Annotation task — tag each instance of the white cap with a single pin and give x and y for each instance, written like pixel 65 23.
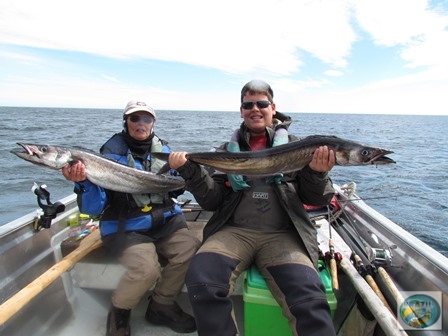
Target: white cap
pixel 136 106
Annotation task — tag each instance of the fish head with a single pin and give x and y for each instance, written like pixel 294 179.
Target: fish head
pixel 45 155
pixel 360 155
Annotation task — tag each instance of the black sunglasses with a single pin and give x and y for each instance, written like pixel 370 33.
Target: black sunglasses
pixel 260 104
pixel 146 118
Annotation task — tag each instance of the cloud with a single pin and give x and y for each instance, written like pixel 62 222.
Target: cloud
pixel 421 33
pixel 303 48
pixel 235 36
pixel 334 73
pixel 109 78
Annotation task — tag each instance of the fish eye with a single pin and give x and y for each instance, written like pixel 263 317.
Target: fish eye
pixel 365 152
pixel 44 149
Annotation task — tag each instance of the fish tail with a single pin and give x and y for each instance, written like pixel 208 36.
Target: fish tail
pixel 161 155
pixel 164 169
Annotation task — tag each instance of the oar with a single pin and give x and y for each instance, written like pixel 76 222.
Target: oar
pixel 25 295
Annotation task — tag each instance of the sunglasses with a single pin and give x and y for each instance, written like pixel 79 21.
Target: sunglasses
pixel 147 119
pixel 260 104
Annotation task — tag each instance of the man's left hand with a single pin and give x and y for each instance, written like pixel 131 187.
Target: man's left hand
pixel 323 160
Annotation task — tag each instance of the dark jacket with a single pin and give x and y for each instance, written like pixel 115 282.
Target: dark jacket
pixel 298 188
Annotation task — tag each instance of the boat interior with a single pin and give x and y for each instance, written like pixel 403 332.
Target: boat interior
pixel 77 302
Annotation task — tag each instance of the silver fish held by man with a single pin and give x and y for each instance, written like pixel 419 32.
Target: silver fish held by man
pixel 100 170
pixel 289 157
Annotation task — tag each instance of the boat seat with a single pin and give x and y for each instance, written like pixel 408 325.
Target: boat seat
pixel 97 270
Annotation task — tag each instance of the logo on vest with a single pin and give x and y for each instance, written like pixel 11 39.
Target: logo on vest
pixel 260 195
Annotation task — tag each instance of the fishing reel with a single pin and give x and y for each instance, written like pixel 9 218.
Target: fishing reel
pixel 380 256
pixel 50 210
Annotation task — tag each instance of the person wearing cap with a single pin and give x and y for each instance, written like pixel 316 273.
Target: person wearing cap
pixel 141 230
pixel 261 221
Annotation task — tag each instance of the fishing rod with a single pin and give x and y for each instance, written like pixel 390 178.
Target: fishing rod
pixel 359 257
pixel 383 316
pixel 378 259
pixel 369 198
pixel 372 283
pixel 332 257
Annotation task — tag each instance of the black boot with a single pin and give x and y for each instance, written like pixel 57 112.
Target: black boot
pixel 171 316
pixel 118 322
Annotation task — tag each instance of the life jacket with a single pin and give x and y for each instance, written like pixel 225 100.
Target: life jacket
pixel 135 212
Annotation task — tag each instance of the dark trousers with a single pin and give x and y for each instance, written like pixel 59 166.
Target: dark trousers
pixel 281 259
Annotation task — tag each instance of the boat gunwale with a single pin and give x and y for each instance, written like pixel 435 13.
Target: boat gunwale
pixel 384 224
pixel 28 219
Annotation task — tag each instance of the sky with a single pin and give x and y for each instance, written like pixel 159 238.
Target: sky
pixel 324 56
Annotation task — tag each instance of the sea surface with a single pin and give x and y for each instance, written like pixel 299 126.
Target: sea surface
pixel 413 192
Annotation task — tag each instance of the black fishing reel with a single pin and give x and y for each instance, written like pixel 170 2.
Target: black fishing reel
pixel 50 210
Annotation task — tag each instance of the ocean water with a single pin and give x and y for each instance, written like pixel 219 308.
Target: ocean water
pixel 413 193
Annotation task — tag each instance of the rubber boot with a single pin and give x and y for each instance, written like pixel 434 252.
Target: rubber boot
pixel 171 316
pixel 118 322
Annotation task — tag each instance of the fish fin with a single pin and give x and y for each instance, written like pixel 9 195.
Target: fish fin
pixel 218 149
pixel 162 156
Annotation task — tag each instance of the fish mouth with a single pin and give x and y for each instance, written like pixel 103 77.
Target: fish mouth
pixel 26 149
pixel 381 158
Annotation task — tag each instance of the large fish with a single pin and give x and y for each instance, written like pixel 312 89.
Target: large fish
pixel 100 170
pixel 289 157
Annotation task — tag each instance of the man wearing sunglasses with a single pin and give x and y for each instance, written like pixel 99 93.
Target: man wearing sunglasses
pixel 259 221
pixel 147 232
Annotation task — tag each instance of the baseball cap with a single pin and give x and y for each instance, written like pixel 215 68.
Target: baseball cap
pixel 136 106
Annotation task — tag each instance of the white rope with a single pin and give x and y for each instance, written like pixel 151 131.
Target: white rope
pixel 348 189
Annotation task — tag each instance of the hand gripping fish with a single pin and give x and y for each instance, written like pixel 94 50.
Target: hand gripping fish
pixel 289 157
pixel 100 170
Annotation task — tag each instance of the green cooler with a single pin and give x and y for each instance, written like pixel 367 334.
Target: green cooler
pixel 262 314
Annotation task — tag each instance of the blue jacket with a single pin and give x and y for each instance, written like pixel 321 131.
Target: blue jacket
pixel 135 212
